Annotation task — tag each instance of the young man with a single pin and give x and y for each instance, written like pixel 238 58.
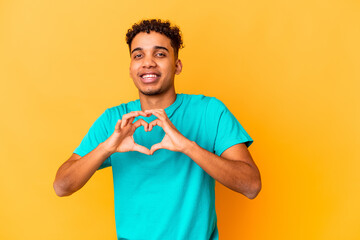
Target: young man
pixel 166 150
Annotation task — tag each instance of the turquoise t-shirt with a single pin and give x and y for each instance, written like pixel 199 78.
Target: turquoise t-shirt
pixel 167 195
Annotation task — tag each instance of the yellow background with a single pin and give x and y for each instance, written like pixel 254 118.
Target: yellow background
pixel 288 70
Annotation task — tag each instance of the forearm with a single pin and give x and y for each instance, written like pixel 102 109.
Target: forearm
pixel 234 174
pixel 74 174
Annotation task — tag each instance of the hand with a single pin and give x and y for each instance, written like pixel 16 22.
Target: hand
pixel 173 139
pixel 122 139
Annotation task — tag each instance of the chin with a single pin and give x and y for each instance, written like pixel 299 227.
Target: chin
pixel 151 92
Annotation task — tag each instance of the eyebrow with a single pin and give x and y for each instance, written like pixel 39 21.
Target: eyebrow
pixel 155 47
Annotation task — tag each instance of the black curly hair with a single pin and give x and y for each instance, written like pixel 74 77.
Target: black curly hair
pixel 160 26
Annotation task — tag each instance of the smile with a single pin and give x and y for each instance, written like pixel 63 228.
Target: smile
pixel 149 77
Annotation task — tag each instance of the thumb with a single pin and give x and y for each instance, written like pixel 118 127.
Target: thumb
pixel 155 147
pixel 141 149
pixel 117 126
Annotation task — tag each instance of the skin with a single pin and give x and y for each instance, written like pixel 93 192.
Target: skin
pixel 153 53
pixel 148 54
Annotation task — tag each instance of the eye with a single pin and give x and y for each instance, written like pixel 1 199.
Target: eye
pixel 161 54
pixel 137 56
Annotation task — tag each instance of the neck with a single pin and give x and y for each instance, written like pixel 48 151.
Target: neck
pixel 159 101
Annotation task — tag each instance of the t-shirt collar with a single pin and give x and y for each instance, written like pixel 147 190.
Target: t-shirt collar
pixel 172 108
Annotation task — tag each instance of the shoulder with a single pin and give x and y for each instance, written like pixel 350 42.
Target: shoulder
pixel 201 100
pixel 209 105
pixel 216 104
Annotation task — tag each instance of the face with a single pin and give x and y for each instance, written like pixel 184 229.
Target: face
pixel 153 65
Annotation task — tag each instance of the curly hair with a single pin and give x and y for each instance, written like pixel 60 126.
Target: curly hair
pixel 160 26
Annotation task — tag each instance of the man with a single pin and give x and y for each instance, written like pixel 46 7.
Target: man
pixel 166 150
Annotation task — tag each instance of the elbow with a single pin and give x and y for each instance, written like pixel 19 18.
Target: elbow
pixel 61 189
pixel 254 189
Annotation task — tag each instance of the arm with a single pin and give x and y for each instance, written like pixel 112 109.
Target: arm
pixel 234 169
pixel 77 170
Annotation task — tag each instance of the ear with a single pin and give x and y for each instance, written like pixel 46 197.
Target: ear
pixel 178 66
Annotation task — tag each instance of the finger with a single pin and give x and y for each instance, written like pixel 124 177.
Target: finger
pixel 141 122
pixel 160 113
pixel 159 116
pixel 141 149
pixel 163 121
pixel 118 124
pixel 156 122
pixel 156 147
pixel 127 121
pixel 145 114
pixel 152 110
pixel 133 114
pixel 129 117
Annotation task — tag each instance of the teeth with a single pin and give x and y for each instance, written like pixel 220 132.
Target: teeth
pixel 149 76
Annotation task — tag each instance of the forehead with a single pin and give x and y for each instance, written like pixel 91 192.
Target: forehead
pixel 150 40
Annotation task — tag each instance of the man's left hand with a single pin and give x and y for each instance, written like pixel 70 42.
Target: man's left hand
pixel 173 139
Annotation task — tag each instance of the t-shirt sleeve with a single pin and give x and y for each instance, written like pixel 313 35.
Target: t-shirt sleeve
pixel 223 128
pixel 97 134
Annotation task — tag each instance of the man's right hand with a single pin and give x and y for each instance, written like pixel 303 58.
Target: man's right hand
pixel 76 171
pixel 122 139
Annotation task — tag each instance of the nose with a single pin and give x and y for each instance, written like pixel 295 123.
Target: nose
pixel 148 61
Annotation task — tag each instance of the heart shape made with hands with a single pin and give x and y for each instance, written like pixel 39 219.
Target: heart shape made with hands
pixel 126 127
pixel 148 134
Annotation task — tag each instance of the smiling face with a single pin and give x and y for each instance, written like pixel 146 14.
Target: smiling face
pixel 153 64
